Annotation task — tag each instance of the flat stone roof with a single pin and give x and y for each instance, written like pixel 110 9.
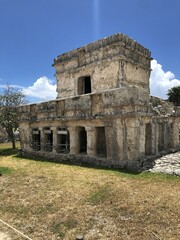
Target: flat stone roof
pixel 119 38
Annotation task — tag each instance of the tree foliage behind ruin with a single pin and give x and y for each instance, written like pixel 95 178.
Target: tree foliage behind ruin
pixel 10 99
pixel 174 95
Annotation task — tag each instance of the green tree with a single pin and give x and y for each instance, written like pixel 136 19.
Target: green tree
pixel 10 99
pixel 174 95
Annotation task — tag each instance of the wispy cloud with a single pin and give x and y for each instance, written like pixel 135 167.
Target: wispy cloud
pixel 161 81
pixel 11 85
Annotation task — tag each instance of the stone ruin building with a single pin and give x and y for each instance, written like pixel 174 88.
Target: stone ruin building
pixel 103 114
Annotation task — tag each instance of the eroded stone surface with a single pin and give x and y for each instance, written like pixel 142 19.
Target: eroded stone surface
pixel 169 164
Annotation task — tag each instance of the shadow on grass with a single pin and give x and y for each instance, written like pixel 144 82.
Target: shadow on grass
pixel 8 151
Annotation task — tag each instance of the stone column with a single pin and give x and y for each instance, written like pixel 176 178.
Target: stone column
pixel 42 137
pixel 166 135
pixel 174 135
pixel 133 139
pixel 74 140
pixel 155 136
pixel 116 140
pixel 142 138
pixel 161 138
pixel 26 136
pixel 91 141
pixel 54 129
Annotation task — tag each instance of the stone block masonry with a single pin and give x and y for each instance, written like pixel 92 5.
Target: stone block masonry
pixel 103 114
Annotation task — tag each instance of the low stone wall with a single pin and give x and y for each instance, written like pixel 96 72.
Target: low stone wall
pixel 84 160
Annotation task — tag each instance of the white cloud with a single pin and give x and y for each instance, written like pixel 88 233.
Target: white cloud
pixel 43 89
pixel 161 81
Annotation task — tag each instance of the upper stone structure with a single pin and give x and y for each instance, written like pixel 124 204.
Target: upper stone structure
pixel 103 114
pixel 113 62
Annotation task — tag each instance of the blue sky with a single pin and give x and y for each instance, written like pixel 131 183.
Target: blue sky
pixel 34 32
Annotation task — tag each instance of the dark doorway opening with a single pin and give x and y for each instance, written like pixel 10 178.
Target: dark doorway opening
pixel 148 139
pixel 83 140
pixel 63 141
pixel 101 142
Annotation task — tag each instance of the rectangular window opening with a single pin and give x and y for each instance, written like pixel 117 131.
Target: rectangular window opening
pixel 148 139
pixel 84 85
pixel 63 141
pixel 36 140
pixel 48 140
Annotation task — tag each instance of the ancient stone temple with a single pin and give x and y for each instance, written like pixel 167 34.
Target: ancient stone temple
pixel 103 114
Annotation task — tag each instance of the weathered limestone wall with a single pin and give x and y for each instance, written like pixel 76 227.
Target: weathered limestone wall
pixel 103 114
pixel 25 136
pixel 136 76
pixel 113 62
pixel 127 138
pixel 132 131
pixel 120 101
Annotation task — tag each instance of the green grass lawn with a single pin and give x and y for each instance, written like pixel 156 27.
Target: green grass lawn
pixel 54 201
